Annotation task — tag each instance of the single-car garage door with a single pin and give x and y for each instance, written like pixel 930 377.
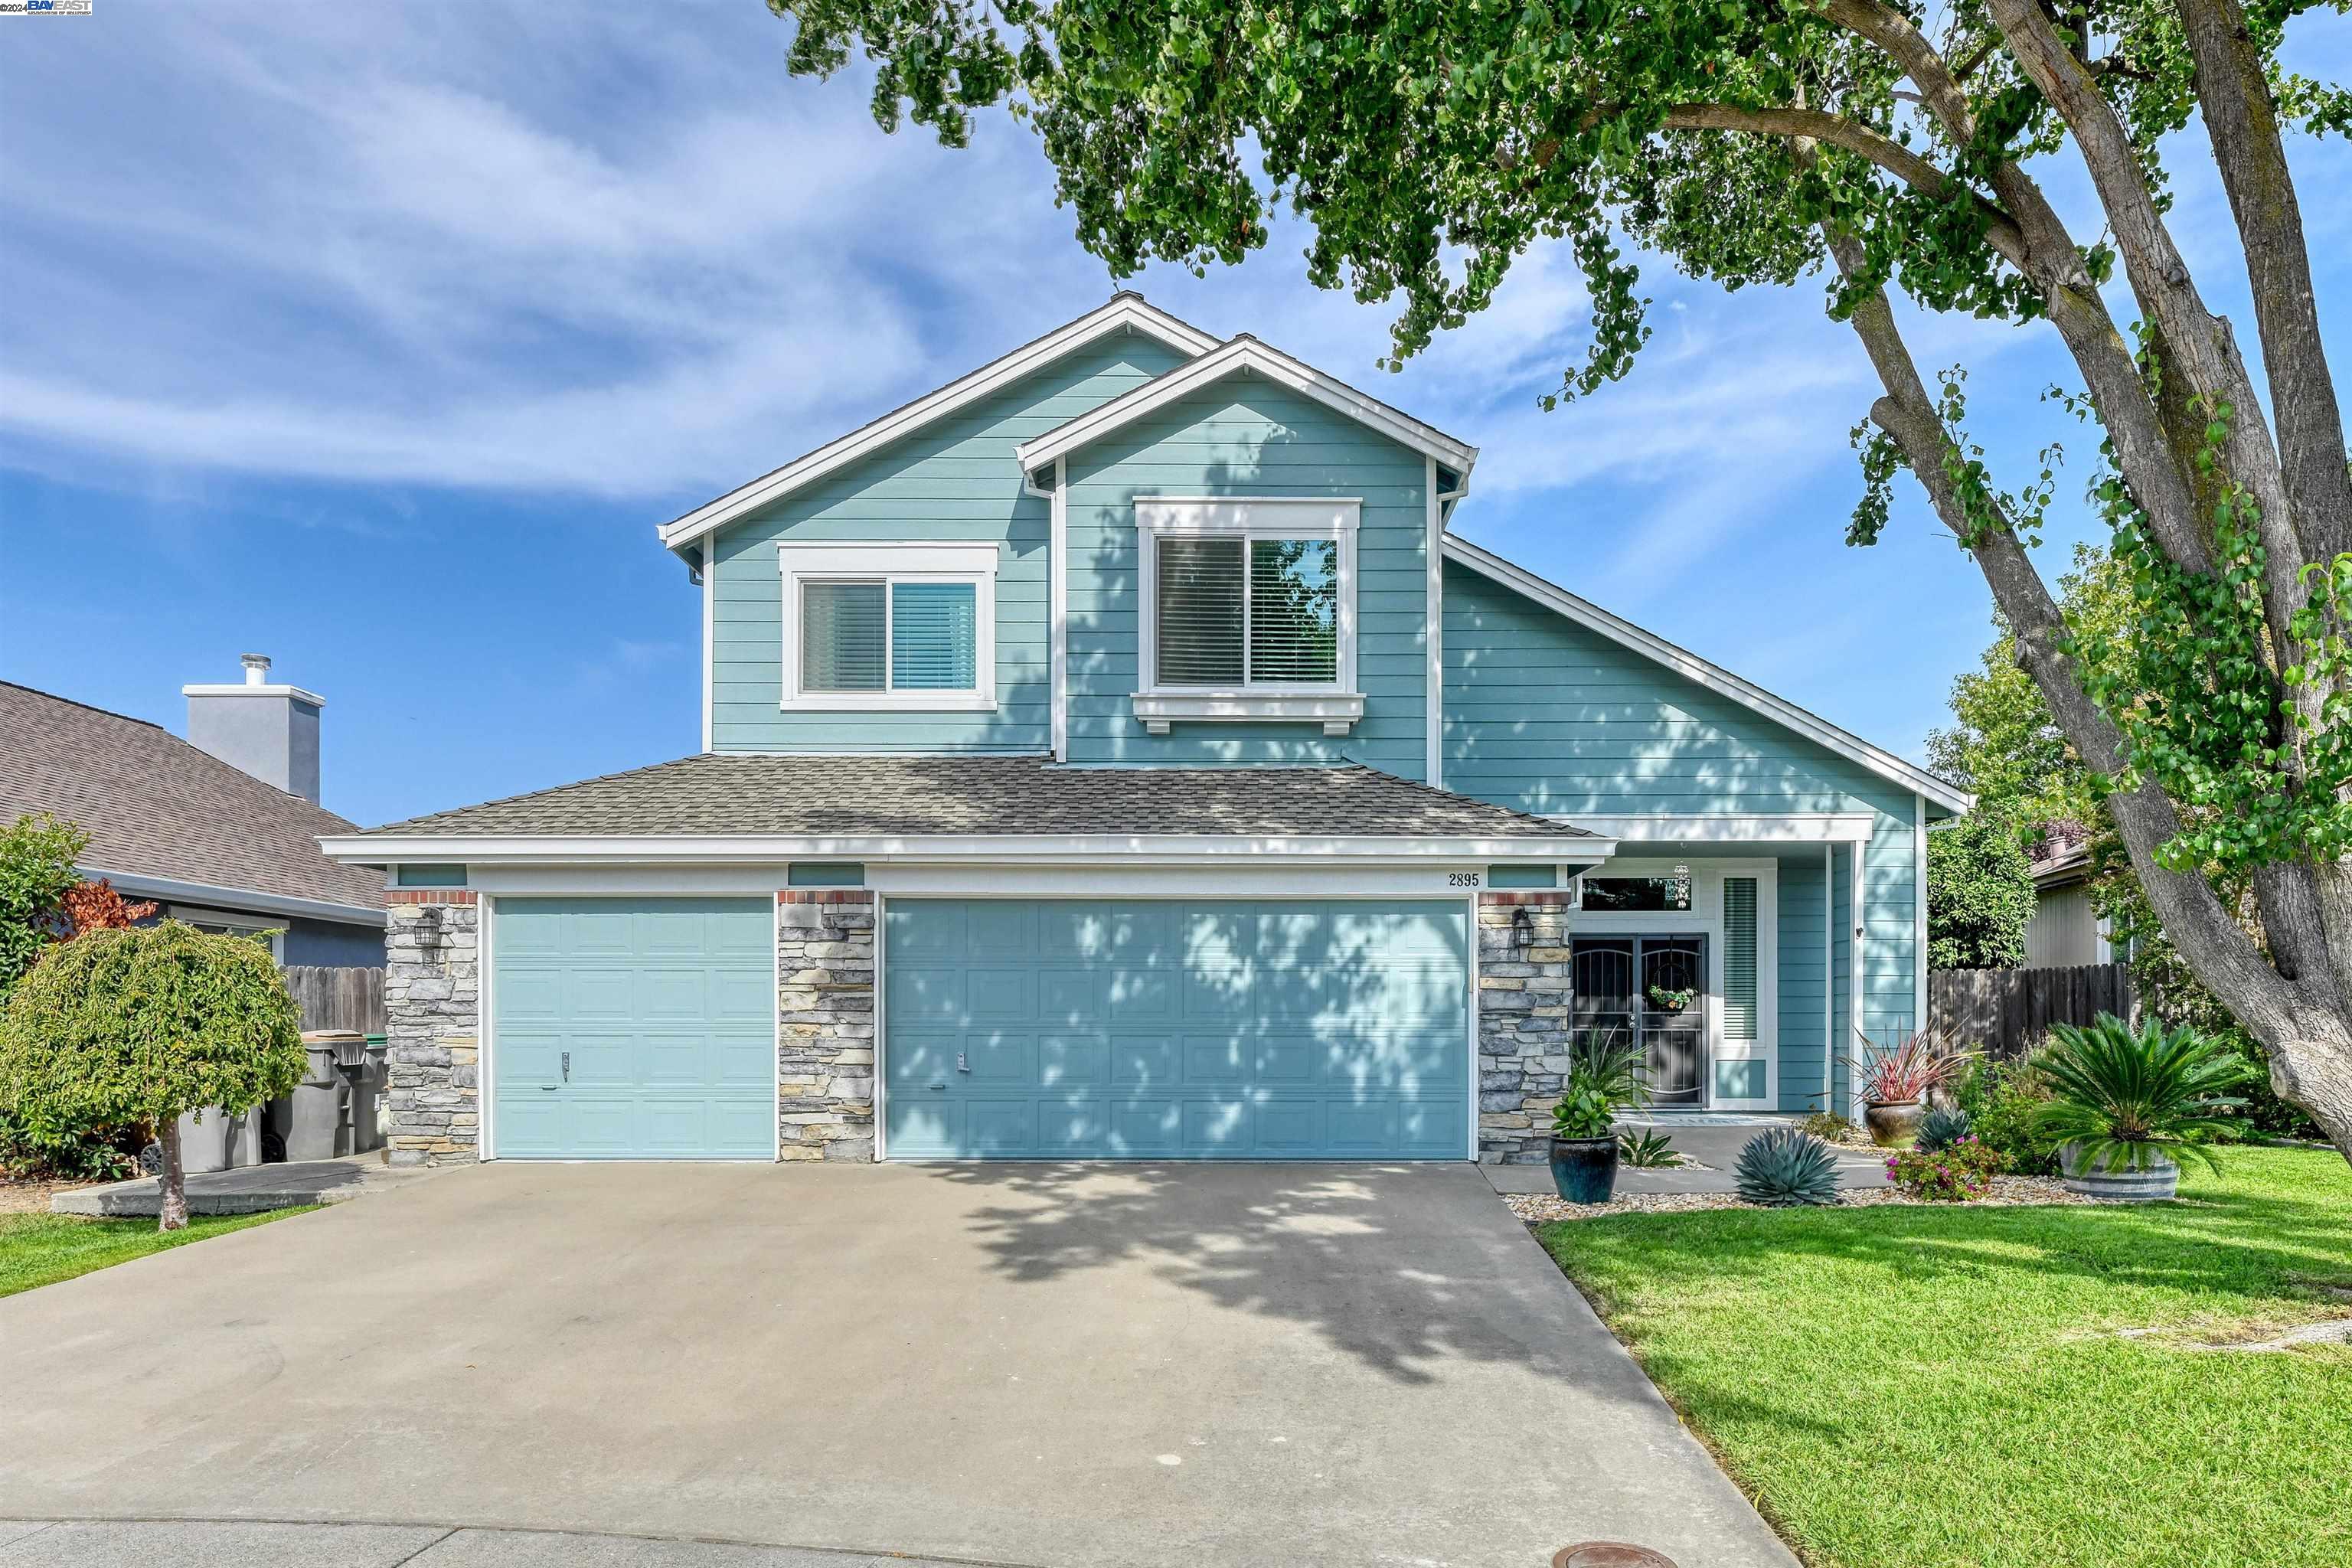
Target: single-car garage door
pixel 1177 1029
pixel 633 1029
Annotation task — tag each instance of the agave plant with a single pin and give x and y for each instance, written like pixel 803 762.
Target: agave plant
pixel 1785 1168
pixel 1648 1149
pixel 1943 1127
pixel 1902 1073
pixel 2131 1098
pixel 1604 1077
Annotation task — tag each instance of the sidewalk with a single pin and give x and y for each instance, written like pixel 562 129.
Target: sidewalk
pixel 248 1189
pixel 227 1545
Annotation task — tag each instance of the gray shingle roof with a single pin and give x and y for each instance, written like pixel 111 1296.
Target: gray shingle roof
pixel 804 796
pixel 155 805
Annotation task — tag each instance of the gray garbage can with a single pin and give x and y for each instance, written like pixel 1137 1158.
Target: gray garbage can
pixel 321 1125
pixel 220 1140
pixel 367 1079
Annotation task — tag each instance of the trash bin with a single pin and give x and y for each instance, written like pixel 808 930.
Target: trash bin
pixel 220 1140
pixel 321 1125
pixel 367 1094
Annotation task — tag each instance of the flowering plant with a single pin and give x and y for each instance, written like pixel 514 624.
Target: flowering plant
pixel 1956 1172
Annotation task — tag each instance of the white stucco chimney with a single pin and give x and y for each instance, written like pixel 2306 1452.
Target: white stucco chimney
pixel 268 730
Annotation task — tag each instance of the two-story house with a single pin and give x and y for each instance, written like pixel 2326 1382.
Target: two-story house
pixel 1116 754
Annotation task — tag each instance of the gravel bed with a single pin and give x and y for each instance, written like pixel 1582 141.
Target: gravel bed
pixel 31 1197
pixel 2008 1192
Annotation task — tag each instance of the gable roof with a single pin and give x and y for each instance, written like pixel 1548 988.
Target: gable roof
pixel 1714 677
pixel 764 804
pixel 1126 311
pixel 1245 355
pixel 158 810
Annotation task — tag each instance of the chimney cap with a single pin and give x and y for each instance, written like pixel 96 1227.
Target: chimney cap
pixel 256 668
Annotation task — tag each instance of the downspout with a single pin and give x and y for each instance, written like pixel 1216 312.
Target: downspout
pixel 1440 503
pixel 1056 616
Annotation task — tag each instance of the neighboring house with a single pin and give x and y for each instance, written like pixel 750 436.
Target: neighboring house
pixel 2065 930
pixel 1112 754
pixel 221 830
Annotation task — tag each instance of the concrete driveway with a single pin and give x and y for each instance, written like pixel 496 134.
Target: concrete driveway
pixel 1075 1367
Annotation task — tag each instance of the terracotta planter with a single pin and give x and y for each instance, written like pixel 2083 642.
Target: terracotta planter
pixel 2151 1183
pixel 1894 1126
pixel 1585 1170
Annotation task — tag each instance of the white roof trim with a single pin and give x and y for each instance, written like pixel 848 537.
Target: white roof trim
pixel 229 899
pixel 1748 828
pixel 1029 848
pixel 1714 677
pixel 1245 354
pixel 1125 313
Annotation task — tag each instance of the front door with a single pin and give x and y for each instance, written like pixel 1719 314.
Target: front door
pixel 1652 991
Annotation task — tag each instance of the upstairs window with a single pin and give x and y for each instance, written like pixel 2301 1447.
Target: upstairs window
pixel 887 626
pixel 1248 595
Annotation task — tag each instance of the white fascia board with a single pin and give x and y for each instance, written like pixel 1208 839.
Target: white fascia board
pixel 1755 828
pixel 1245 354
pixel 241 689
pixel 951 848
pixel 141 885
pixel 1125 313
pixel 1714 677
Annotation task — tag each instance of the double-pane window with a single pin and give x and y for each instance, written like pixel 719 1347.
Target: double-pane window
pixel 1236 612
pixel 890 636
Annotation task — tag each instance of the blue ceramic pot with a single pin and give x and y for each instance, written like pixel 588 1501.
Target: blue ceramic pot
pixel 1584 1169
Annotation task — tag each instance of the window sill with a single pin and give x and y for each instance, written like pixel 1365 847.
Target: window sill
pixel 889 702
pixel 1334 710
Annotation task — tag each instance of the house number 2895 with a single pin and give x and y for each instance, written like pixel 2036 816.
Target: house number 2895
pixel 1462 879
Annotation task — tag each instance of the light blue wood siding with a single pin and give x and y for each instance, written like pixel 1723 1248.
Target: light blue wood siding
pixel 1177 1029
pixel 1546 715
pixel 954 481
pixel 1804 977
pixel 1842 968
pixel 1245 437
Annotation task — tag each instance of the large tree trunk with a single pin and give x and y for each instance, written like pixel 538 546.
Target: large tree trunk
pixel 173 1215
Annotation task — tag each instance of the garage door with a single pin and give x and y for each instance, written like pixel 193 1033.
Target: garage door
pixel 1167 1029
pixel 633 1029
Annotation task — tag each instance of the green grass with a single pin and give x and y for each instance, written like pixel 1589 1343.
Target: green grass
pixel 43 1248
pixel 1905 1387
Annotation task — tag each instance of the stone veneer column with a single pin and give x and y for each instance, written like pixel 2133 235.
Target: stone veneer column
pixel 825 1027
pixel 432 1020
pixel 1524 996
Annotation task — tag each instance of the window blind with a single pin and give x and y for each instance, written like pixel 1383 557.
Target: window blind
pixel 1739 958
pixel 1200 612
pixel 842 637
pixel 1293 610
pixel 934 636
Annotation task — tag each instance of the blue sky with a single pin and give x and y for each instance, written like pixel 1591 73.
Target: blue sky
pixel 378 339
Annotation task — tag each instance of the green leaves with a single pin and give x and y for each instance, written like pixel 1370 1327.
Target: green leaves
pixel 2125 1096
pixel 37 870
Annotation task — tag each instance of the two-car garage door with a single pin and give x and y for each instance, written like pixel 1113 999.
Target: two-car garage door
pixel 644 1028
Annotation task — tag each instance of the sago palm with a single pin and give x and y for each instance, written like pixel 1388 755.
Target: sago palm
pixel 2129 1099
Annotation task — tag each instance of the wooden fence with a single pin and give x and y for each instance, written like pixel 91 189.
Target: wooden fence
pixel 2007 1011
pixel 334 998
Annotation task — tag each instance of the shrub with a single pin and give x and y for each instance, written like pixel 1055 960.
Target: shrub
pixel 2129 1099
pixel 1604 1076
pixel 1980 893
pixel 1942 1127
pixel 1649 1150
pixel 37 871
pixel 139 1025
pixel 2002 1100
pixel 1829 1127
pixel 1956 1172
pixel 1785 1168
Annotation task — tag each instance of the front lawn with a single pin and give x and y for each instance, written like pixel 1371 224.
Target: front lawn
pixel 43 1248
pixel 1906 1388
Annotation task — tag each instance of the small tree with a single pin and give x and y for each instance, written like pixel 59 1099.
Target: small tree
pixel 1979 894
pixel 146 1024
pixel 37 871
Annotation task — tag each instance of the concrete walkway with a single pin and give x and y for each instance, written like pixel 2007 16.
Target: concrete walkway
pixel 249 1189
pixel 1715 1145
pixel 1066 1366
pixel 211 1543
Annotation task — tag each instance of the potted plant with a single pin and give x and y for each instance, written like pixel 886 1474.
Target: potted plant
pixel 2128 1105
pixel 1896 1080
pixel 1604 1076
pixel 1667 1000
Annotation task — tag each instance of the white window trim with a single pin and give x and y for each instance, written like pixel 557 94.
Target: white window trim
pixel 891 563
pixel 1336 704
pixel 235 920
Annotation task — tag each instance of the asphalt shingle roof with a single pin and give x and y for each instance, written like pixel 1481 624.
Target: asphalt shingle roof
pixel 155 805
pixel 806 797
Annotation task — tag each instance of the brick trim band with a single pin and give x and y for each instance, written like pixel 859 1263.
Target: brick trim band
pixel 1540 897
pixel 825 895
pixel 429 896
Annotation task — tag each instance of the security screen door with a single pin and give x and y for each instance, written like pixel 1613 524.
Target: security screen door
pixel 1630 986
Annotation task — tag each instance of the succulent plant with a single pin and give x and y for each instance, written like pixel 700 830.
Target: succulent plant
pixel 1785 1168
pixel 1648 1149
pixel 1942 1127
